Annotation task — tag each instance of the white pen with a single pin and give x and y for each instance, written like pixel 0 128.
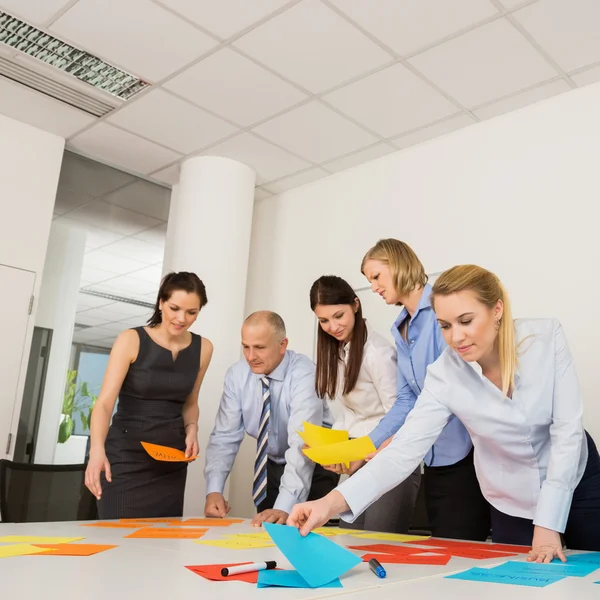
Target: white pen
pixel 260 566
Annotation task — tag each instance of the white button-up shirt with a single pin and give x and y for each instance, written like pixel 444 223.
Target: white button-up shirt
pixel 530 451
pixel 360 411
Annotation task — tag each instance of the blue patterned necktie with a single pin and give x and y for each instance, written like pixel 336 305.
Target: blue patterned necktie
pixel 259 488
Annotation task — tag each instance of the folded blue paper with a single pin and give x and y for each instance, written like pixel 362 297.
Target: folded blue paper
pixel 592 558
pixel 575 569
pixel 290 579
pixel 317 559
pixel 494 576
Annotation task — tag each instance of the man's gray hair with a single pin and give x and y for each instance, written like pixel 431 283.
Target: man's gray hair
pixel 269 317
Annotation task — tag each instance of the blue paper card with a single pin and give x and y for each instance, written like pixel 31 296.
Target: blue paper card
pixel 592 558
pixel 317 559
pixel 554 568
pixel 292 579
pixel 493 576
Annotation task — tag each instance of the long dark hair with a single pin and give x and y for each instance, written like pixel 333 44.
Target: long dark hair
pixel 329 290
pixel 174 282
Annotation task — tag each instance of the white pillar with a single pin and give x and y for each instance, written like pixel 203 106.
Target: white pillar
pixel 56 310
pixel 210 221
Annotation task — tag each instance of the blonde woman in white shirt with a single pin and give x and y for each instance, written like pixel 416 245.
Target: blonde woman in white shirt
pixel 356 370
pixel 514 387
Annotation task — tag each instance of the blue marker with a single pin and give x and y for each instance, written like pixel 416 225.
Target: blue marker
pixel 377 568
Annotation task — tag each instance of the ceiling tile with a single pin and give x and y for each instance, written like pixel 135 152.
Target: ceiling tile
pixel 588 76
pixel 154 235
pixel 225 17
pixel 315 132
pixel 315 47
pixel 130 286
pixel 37 12
pixel 296 180
pixel 93 333
pixel 116 326
pixel 153 274
pixel 165 119
pixel 135 321
pixel 109 313
pixel 391 101
pixel 87 301
pixel 433 131
pixel 114 218
pixel 105 142
pixel 105 342
pixel 34 108
pixel 489 62
pixel 94 236
pixel 92 275
pixel 261 194
pixel 135 249
pixel 98 259
pixel 267 160
pixel 512 4
pixel 523 99
pixel 143 197
pixel 87 176
pixel 409 25
pixel 236 88
pixel 67 200
pixel 84 319
pixel 358 158
pixel 568 31
pixel 170 175
pixel 133 310
pixel 137 35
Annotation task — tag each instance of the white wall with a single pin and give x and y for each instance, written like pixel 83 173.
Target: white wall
pixel 517 194
pixel 30 162
pixel 56 310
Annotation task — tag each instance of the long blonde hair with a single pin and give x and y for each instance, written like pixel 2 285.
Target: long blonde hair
pixel 489 290
pixel 406 269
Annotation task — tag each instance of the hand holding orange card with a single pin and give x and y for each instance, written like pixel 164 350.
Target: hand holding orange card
pixel 166 454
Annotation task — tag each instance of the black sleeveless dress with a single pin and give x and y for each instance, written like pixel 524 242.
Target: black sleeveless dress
pixel 149 410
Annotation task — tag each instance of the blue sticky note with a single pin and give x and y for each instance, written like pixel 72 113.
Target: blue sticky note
pixel 493 576
pixel 317 559
pixel 554 568
pixel 292 579
pixel 592 558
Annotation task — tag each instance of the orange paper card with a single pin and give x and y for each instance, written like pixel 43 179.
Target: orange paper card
pixel 73 549
pixel 138 521
pixel 409 559
pixel 166 454
pixel 459 545
pixel 108 524
pixel 213 572
pixel 210 522
pixel 166 533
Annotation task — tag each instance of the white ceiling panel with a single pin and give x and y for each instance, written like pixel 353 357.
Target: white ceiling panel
pixel 169 175
pixel 358 158
pixel 409 25
pixel 225 17
pixel 523 99
pixel 588 76
pixel 89 177
pixel 143 197
pixel 110 313
pixel 267 160
pixel 84 319
pixel 37 12
pixel 93 275
pixel 296 180
pixel 98 259
pixel 568 30
pixel 484 64
pixel 135 249
pixel 114 218
pixel 105 342
pixel 87 301
pixel 512 4
pixel 116 326
pixel 154 235
pixel 34 108
pixel 315 132
pixel 95 237
pixel 236 88
pixel 67 200
pixel 170 121
pixel 313 46
pixel 133 310
pixel 153 274
pixel 130 286
pixel 93 333
pixel 392 101
pixel 137 35
pixel 108 143
pixel 138 321
pixel 433 131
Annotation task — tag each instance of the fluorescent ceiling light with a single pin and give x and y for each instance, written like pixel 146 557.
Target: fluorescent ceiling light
pixel 80 64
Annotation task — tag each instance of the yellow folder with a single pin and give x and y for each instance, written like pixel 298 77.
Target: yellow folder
pixel 314 436
pixel 342 452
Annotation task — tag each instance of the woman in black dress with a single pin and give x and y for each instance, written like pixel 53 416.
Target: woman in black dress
pixel 156 371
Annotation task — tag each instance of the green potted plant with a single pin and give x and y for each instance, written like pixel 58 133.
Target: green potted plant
pixel 77 399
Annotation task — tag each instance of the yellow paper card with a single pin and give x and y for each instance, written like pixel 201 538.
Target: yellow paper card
pixel 251 536
pixel 20 550
pixel 314 436
pixel 331 531
pixel 36 539
pixel 392 537
pixel 165 453
pixel 239 544
pixel 343 452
